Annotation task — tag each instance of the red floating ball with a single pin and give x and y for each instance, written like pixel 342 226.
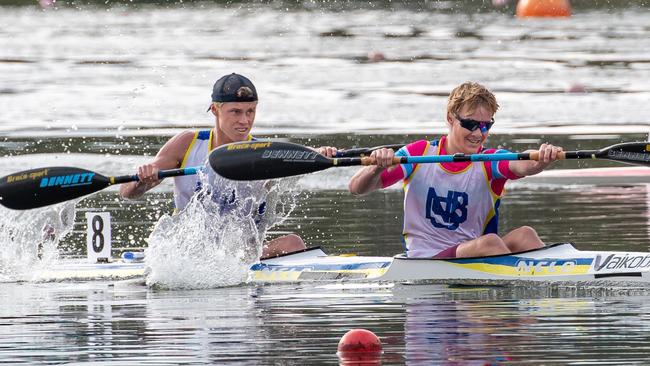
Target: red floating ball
pixel 359 341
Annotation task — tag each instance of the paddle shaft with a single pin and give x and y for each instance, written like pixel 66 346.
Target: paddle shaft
pixel 363 151
pixel 276 159
pixel 366 160
pixel 624 156
pixel 161 175
pixel 534 155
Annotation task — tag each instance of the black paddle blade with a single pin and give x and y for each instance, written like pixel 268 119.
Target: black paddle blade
pixel 255 160
pixel 628 152
pixel 46 186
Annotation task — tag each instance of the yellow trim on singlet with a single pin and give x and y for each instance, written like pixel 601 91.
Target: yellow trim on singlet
pixel 210 142
pixel 494 196
pixel 442 166
pixel 189 148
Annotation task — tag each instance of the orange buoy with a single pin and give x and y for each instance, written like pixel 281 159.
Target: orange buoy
pixel 376 56
pixel 543 8
pixel 359 345
pixel 576 88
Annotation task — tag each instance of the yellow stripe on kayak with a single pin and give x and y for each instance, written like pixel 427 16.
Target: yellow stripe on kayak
pixel 511 271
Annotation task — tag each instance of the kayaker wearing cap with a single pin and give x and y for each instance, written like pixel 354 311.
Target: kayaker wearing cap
pixel 234 103
pixel 451 210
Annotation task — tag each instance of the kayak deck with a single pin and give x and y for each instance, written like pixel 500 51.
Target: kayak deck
pixel 314 265
pixel 84 271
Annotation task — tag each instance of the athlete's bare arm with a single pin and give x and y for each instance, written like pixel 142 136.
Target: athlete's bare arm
pixel 170 156
pixel 368 179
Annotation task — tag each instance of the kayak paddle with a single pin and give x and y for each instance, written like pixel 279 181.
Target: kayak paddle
pixel 254 160
pixel 46 186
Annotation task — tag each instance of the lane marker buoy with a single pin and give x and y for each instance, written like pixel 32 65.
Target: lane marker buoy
pixel 359 345
pixel 543 8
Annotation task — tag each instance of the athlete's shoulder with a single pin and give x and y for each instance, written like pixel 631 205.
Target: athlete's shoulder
pixel 179 144
pixel 416 148
pixel 186 135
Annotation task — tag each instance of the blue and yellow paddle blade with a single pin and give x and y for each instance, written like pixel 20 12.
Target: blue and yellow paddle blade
pixel 45 186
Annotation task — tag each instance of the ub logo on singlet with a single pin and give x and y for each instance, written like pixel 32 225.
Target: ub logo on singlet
pixel 446 212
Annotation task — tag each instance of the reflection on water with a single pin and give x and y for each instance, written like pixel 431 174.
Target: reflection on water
pixel 418 324
pixel 466 326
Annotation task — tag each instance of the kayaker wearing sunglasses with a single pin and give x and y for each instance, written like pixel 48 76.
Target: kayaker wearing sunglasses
pixel 451 210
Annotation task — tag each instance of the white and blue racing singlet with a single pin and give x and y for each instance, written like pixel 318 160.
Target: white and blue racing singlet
pixel 447 204
pixel 186 186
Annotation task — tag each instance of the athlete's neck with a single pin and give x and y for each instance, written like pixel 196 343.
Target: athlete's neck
pixel 219 138
pixel 449 147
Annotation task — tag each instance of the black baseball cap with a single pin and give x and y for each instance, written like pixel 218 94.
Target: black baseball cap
pixel 234 88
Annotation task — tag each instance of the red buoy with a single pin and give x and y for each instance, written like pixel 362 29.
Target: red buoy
pixel 543 8
pixel 359 345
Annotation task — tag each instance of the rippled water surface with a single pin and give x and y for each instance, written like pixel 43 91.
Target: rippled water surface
pixel 103 85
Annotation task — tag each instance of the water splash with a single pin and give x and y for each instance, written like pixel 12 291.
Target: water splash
pixel 216 238
pixel 29 239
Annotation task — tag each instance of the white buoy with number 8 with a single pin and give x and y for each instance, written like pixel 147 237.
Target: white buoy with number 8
pixel 98 236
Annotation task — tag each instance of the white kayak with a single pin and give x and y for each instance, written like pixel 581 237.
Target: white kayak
pixel 555 263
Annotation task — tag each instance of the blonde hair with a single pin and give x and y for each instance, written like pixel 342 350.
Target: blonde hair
pixel 471 95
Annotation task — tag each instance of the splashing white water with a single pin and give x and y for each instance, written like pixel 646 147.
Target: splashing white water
pixel 29 239
pixel 216 238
